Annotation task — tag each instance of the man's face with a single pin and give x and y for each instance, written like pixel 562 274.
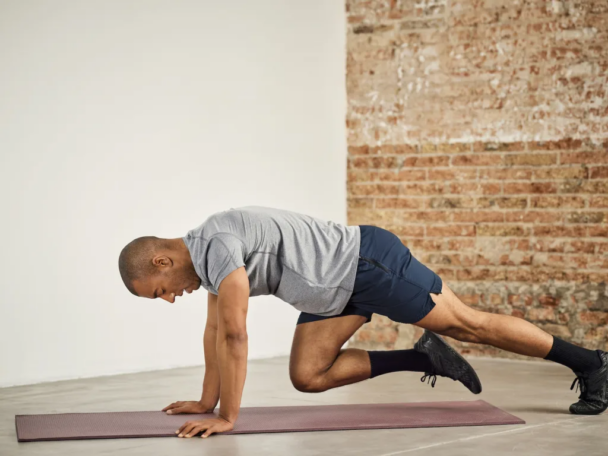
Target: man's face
pixel 168 283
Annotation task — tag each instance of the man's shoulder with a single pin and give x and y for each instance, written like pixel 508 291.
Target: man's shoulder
pixel 223 220
pixel 223 224
pixel 236 220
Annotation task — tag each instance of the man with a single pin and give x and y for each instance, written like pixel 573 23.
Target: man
pixel 337 276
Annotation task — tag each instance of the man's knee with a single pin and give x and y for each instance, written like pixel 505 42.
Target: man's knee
pixel 306 382
pixel 471 329
pixel 307 385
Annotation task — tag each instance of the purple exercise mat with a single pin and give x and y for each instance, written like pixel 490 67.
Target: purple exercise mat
pixel 294 418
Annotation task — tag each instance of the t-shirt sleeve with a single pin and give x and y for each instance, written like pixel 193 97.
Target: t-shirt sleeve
pixel 225 254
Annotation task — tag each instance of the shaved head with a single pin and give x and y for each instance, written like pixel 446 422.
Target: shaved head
pixel 153 267
pixel 135 260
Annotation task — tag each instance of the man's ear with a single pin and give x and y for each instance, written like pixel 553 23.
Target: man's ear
pixel 161 260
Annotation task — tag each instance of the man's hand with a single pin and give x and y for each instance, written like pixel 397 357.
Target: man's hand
pixel 187 407
pixel 191 428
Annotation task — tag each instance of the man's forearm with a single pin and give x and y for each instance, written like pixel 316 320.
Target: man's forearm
pixel 211 382
pixel 232 360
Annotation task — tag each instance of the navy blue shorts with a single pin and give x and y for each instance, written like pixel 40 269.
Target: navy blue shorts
pixel 389 281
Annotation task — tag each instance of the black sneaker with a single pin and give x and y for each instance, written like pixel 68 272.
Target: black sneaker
pixel 593 399
pixel 446 362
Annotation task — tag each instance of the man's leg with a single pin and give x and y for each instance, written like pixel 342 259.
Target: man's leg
pixel 451 317
pixel 319 363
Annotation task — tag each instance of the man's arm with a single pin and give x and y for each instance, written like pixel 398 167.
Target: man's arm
pixel 211 382
pixel 232 339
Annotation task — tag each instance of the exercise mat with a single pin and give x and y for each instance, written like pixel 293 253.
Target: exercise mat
pixel 294 418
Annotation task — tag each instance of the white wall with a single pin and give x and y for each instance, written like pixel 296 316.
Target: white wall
pixel 120 119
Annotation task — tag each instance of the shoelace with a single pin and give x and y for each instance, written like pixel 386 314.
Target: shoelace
pixel 579 381
pixel 430 376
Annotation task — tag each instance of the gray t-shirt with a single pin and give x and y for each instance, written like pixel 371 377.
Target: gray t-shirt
pixel 305 261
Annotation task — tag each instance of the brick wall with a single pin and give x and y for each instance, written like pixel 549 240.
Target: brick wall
pixel 478 133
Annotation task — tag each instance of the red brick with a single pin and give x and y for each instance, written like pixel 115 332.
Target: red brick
pixel 597 186
pixel 570 172
pixel 449 202
pixel 358 150
pixel 595 318
pixel 534 217
pixel 431 245
pixel 522 300
pixel 598 201
pixel 376 162
pixel 583 157
pixel 477 160
pixel 464 244
pixel 506 173
pixel 555 145
pixel 430 188
pixel 541 314
pixel 424 161
pixel 503 202
pixel 450 230
pixel 453 148
pixel 581 246
pixel 423 216
pixel 559 231
pixel 399 203
pixel 503 230
pixel 517 313
pixel 399 149
pixel 491 274
pixel 360 203
pixel 530 159
pixel 478 216
pixel 402 175
pixel 598 172
pixel 529 187
pixel 499 147
pixel 548 245
pixel 452 174
pixel 374 189
pixel 409 231
pixel 361 175
pixel 585 217
pixel 476 188
pixel 597 231
pixel 365 216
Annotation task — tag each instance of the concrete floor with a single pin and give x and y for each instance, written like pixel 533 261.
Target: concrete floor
pixel 536 391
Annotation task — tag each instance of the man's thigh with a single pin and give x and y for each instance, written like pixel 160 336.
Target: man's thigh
pixel 450 316
pixel 316 344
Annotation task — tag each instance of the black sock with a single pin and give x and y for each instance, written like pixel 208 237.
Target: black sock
pixel 385 361
pixel 577 358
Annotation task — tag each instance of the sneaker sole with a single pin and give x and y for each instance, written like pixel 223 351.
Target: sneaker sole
pixel 588 414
